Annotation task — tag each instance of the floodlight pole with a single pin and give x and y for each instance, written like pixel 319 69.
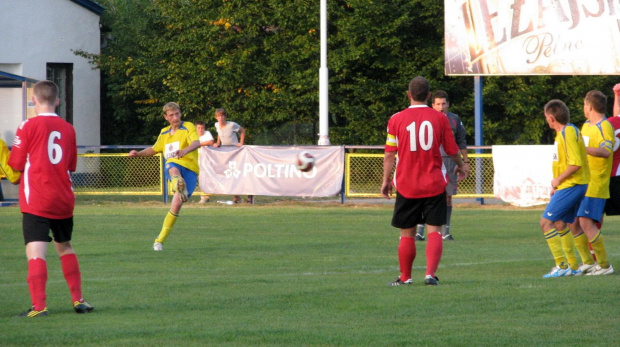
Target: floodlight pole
pixel 323 81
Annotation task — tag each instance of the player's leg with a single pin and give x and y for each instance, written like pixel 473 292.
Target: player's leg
pixel 407 215
pixel 190 179
pixel 36 236
pixel 62 231
pixel 435 212
pixel 419 236
pixel 179 186
pixel 595 237
pixel 451 189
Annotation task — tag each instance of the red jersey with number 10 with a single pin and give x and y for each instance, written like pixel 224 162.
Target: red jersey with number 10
pixel 45 152
pixel 416 134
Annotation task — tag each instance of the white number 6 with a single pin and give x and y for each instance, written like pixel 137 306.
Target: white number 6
pixel 54 151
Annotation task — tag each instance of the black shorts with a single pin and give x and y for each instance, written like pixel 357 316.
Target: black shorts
pixel 410 212
pixel 612 205
pixel 37 228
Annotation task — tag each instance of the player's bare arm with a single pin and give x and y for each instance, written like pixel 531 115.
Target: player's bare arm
pixel 192 147
pixel 388 165
pixel 147 152
pixel 617 99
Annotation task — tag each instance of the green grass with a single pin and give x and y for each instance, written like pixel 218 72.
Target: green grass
pixel 293 273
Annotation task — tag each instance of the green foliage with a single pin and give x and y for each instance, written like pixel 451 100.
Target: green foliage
pixel 260 60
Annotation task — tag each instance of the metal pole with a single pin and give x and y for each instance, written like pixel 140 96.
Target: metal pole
pixel 478 87
pixel 323 81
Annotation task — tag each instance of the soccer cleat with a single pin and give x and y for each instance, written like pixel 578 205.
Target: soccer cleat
pixel 178 185
pixel 398 282
pixel 31 313
pixel 419 237
pixel 447 237
pixel 585 268
pixel 573 272
pixel 557 271
pixel 431 281
pixel 82 307
pixel 598 271
pixel 157 246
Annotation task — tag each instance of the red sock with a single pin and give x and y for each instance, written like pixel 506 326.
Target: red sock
pixel 406 255
pixel 434 248
pixel 37 279
pixel 71 270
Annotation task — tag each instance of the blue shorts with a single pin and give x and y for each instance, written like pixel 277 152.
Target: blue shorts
pixel 564 204
pixel 592 208
pixel 189 176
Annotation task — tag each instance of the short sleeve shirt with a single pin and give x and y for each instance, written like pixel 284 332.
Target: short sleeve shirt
pixel 45 151
pixel 599 135
pixel 228 133
pixel 570 150
pixel 168 143
pixel 416 134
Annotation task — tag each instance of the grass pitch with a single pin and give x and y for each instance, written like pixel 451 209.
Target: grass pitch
pixel 288 274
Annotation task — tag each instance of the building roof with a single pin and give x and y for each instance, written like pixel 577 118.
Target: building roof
pixel 8 80
pixel 91 6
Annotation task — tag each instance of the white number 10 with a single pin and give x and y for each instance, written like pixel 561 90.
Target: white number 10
pixel 423 136
pixel 54 151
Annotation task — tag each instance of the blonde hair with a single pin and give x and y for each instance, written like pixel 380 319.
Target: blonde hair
pixel 46 92
pixel 171 106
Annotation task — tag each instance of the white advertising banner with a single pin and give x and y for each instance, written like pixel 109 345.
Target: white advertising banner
pixel 532 37
pixel 271 171
pixel 523 174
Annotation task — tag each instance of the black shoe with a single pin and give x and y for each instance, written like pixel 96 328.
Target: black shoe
pixel 431 281
pixel 419 237
pixel 448 237
pixel 31 313
pixel 398 282
pixel 82 307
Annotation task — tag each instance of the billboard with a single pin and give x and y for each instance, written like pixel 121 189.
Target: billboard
pixel 532 37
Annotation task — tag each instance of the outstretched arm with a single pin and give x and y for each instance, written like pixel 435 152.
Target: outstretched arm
pixel 617 100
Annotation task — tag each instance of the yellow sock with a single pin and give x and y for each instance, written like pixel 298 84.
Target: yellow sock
pixel 568 244
pixel 169 221
pixel 598 246
pixel 555 245
pixel 581 243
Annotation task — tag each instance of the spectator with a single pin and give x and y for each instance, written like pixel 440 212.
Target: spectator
pixel 227 136
pixel 206 139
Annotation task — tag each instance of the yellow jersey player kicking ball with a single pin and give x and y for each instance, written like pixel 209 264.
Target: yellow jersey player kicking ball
pixel 569 185
pixel 178 142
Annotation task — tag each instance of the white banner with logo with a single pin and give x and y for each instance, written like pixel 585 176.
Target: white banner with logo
pixel 271 171
pixel 523 174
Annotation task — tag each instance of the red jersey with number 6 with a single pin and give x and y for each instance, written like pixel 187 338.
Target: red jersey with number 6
pixel 45 152
pixel 416 134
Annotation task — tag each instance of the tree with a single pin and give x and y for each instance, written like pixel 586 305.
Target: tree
pixel 260 60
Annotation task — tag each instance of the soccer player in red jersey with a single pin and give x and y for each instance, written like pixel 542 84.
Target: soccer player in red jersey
pixel 612 205
pixel 45 153
pixel 416 134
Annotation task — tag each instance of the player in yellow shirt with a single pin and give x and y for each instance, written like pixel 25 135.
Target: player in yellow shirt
pixel 5 170
pixel 569 185
pixel 598 135
pixel 178 142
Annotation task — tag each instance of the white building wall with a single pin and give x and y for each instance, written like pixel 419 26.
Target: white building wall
pixel 36 32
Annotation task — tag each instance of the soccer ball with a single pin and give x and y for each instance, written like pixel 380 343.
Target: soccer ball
pixel 304 161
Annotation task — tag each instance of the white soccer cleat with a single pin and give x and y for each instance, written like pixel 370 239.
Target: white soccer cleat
pixel 586 268
pixel 598 270
pixel 157 246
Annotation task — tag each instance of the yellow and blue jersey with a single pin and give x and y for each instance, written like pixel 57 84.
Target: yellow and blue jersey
pixel 570 150
pixel 168 143
pixel 599 135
